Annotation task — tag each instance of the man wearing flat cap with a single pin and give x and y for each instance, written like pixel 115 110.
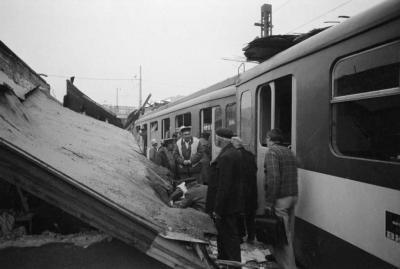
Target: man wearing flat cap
pixel 224 198
pixel 187 154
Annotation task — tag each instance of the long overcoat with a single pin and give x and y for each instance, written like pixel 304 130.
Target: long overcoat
pixel 249 180
pixel 225 196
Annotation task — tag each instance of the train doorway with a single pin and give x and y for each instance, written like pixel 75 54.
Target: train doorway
pixel 210 121
pixel 143 138
pixel 274 110
pixel 216 124
pixel 206 120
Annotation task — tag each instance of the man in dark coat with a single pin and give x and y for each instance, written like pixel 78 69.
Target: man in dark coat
pixel 249 179
pixel 206 158
pixel 166 155
pixel 224 198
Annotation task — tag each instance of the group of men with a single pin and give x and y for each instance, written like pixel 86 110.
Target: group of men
pixel 184 155
pixel 226 187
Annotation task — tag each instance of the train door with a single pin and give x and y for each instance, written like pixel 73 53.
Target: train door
pixel 143 135
pixel 215 125
pixel 165 128
pixel 274 110
pixel 153 131
pixel 205 120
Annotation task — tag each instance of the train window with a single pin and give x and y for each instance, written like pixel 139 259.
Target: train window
pixel 265 103
pixel 165 128
pixel 153 126
pixel 366 104
pixel 217 121
pixel 275 109
pixel 218 118
pixel 283 108
pixel 246 117
pixel 153 129
pixel 183 120
pixel 206 120
pixel 231 117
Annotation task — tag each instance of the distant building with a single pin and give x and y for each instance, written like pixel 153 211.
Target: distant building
pixel 121 112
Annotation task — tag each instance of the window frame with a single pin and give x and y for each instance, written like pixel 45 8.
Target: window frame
pixel 270 87
pixel 151 126
pixel 163 130
pixel 201 112
pixel 245 136
pixel 336 99
pixel 233 104
pixel 183 120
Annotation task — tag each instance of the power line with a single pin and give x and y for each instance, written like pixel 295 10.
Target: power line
pixel 117 79
pixel 281 6
pixel 90 78
pixel 319 16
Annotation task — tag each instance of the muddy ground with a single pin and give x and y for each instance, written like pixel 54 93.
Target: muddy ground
pixel 107 255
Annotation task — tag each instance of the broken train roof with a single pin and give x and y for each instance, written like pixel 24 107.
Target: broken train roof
pixel 90 169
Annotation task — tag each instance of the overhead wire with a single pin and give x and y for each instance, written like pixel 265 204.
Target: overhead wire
pixel 281 6
pixel 89 78
pixel 116 79
pixel 320 16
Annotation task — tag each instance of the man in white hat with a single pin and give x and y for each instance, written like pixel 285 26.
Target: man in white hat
pixel 188 153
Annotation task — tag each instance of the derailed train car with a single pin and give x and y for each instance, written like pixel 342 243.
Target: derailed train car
pixel 336 97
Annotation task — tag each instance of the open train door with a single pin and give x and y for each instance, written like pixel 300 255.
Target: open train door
pixel 216 124
pixel 210 121
pixel 274 110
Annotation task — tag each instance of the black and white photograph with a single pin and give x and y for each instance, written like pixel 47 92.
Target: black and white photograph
pixel 200 134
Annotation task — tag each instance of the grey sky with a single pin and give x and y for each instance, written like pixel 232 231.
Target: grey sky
pixel 179 43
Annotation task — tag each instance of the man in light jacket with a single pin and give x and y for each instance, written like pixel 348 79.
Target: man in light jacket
pixel 188 153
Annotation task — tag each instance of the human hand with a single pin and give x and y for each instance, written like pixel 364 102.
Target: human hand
pixel 268 210
pixel 216 216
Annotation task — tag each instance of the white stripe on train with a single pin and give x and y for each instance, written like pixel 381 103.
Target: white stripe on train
pixel 351 210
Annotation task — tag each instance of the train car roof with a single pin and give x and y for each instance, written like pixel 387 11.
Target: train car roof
pixel 219 90
pixel 377 15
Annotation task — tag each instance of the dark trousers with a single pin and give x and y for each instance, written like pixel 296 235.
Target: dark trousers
pixel 246 225
pixel 228 240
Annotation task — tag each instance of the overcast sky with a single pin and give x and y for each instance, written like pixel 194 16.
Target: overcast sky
pixel 180 44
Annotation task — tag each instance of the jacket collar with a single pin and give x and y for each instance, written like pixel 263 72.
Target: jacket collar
pixel 224 149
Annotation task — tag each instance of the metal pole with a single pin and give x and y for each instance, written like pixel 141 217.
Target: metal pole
pixel 117 101
pixel 140 86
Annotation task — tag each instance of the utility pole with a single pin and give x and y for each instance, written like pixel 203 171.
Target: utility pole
pixel 116 109
pixel 140 86
pixel 266 20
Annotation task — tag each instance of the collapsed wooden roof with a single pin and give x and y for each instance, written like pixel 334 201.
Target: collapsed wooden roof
pixel 93 171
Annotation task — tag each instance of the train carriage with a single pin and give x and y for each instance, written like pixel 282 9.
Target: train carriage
pixel 205 111
pixel 336 97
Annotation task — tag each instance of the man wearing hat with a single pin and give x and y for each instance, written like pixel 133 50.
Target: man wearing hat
pixel 187 154
pixel 246 224
pixel 153 151
pixel 281 184
pixel 166 155
pixel 224 197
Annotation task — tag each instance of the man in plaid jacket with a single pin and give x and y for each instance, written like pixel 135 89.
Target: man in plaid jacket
pixel 281 192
